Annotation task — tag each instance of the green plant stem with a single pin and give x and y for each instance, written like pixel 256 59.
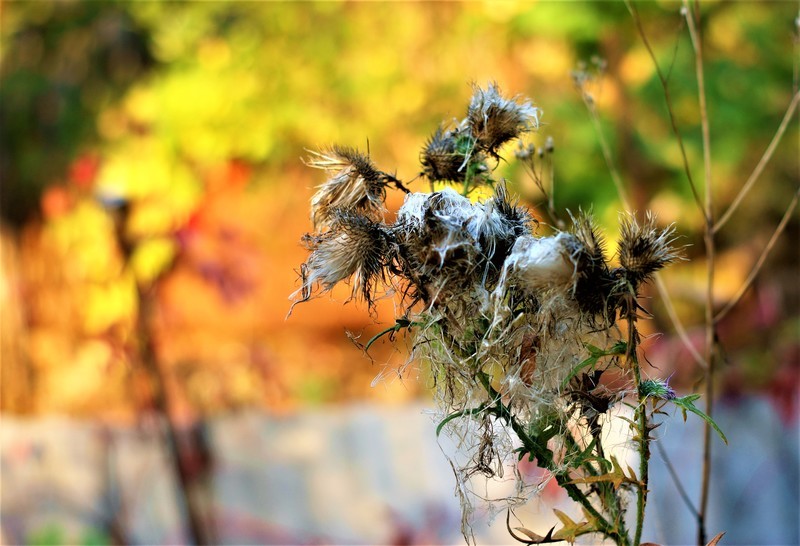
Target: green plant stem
pixel 501 411
pixel 640 417
pixel 644 459
pixel 608 496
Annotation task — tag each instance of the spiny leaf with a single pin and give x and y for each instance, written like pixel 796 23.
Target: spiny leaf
pixel 571 529
pixel 533 538
pixel 686 403
pixel 616 476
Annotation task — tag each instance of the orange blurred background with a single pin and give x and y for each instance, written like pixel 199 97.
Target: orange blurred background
pixel 194 118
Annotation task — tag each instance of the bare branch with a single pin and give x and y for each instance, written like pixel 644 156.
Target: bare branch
pixel 668 99
pixel 760 262
pixel 761 163
pixel 676 479
pixel 676 322
pixel 692 16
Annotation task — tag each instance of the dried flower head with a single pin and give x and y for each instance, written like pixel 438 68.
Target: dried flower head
pixel 354 246
pixel 354 183
pixel 644 248
pixel 443 156
pixel 494 120
pixel 448 243
pixel 438 248
pixel 594 280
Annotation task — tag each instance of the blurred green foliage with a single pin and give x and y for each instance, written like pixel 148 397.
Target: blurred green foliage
pixel 191 85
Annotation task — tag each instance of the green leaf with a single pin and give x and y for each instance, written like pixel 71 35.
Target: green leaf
pixel 686 403
pixel 399 324
pixel 458 414
pixel 585 455
pixel 591 361
pixel 595 353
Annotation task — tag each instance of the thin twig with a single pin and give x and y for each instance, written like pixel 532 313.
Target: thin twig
pixel 606 149
pixel 761 163
pixel 668 99
pixel 676 479
pixel 761 259
pixel 676 322
pixel 693 19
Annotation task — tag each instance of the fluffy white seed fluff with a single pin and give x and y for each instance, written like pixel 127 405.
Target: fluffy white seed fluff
pixel 540 263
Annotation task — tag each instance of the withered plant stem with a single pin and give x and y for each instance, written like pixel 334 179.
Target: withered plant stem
pixel 762 163
pixel 668 99
pixel 624 199
pixel 692 15
pixel 761 259
pixel 676 479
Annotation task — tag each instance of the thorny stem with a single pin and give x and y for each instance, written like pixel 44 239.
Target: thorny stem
pixel 643 432
pixel 693 18
pixel 501 411
pixel 608 496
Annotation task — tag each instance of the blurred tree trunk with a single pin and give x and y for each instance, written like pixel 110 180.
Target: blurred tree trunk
pixel 16 374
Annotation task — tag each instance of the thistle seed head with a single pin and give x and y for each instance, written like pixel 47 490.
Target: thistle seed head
pixel 644 248
pixel 594 280
pixel 354 183
pixel 494 120
pixel 441 158
pixel 354 246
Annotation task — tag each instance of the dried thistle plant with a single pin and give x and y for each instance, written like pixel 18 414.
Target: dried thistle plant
pixel 517 328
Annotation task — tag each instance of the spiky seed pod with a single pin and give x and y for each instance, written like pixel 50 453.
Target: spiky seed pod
pixel 644 248
pixel 518 218
pixel 504 222
pixel 494 120
pixel 355 246
pixel 441 159
pixel 594 281
pixel 354 183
